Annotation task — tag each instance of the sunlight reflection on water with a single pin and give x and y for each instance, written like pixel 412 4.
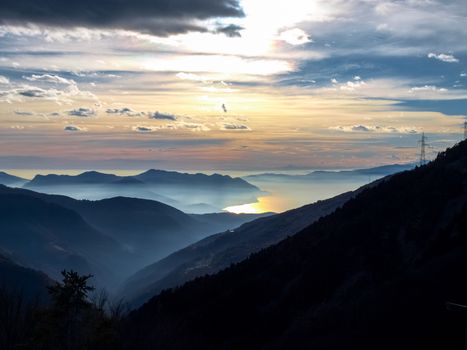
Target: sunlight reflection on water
pixel 288 195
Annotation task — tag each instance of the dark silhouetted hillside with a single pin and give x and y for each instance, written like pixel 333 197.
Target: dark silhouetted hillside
pixel 15 278
pixel 375 274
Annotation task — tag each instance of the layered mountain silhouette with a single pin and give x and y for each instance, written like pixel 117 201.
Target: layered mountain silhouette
pixel 219 251
pixel 325 175
pixel 10 180
pixel 194 193
pixel 375 274
pixel 50 238
pixel 110 238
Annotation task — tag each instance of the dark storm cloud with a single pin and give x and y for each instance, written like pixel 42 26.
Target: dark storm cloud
pixel 159 17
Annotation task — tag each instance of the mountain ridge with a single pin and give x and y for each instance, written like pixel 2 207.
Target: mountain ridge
pixel 192 193
pixel 219 251
pixel 142 231
pixel 382 170
pixel 11 180
pixel 376 273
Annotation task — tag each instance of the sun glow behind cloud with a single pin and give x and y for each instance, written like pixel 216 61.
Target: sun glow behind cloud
pixel 288 82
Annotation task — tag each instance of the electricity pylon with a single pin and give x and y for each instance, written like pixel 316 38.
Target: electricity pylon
pixel 423 145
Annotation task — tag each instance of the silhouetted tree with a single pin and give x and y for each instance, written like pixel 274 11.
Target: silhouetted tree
pixel 73 321
pixel 70 307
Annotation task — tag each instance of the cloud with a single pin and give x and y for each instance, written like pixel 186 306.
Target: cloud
pixel 18 92
pixel 295 36
pixel 231 30
pixel 352 85
pixel 141 128
pixel 427 88
pixel 24 113
pixel 82 112
pixel 162 116
pixel 74 128
pixel 157 17
pixel 4 80
pixel 235 127
pixel 124 111
pixel 34 92
pixel 190 76
pixel 443 57
pixel 195 127
pixel 361 128
pixel 375 129
pixel 85 74
pixel 50 78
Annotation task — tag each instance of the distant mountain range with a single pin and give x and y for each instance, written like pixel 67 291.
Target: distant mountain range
pixel 10 180
pixel 375 274
pixel 326 175
pixel 110 238
pixel 194 193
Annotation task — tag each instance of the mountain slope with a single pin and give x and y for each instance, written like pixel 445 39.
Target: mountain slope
pixel 16 278
pixel 219 251
pixel 151 229
pixel 148 230
pixel 10 180
pixel 374 274
pixel 51 238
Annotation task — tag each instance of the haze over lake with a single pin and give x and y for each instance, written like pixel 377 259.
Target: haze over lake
pixel 281 193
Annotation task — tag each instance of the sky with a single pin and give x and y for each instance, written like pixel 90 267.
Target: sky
pixel 229 84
